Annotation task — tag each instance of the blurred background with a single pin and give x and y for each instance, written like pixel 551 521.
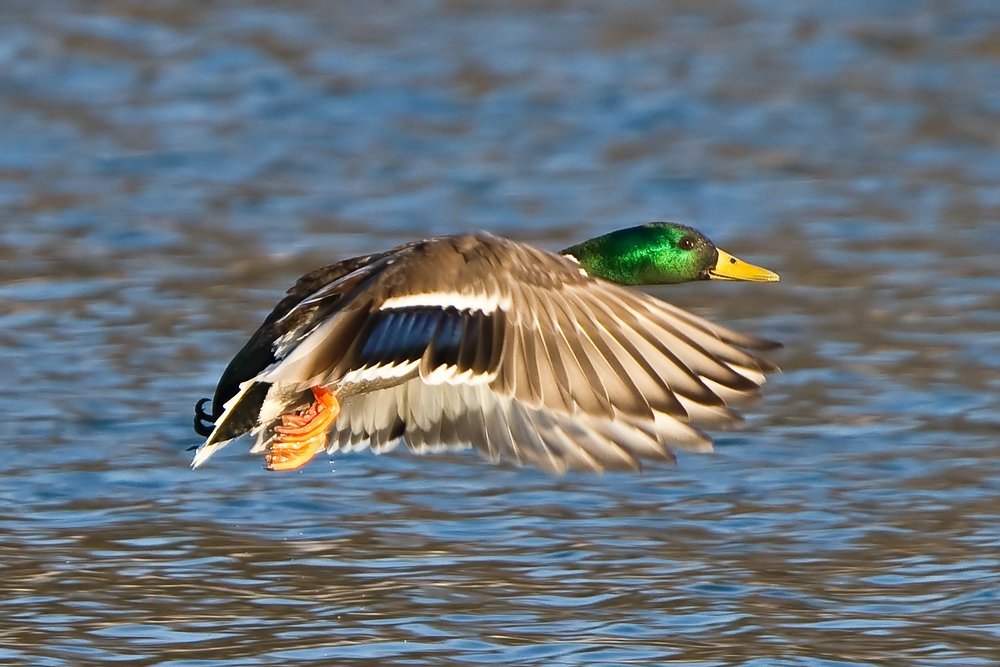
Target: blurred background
pixel 167 169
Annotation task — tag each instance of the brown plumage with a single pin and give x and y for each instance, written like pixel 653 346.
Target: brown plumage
pixel 478 340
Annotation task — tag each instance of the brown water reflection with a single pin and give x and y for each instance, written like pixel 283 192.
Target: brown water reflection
pixel 167 170
pixel 376 588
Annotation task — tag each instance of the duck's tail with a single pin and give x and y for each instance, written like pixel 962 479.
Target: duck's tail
pixel 239 415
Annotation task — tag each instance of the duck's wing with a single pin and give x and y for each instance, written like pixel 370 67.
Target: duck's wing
pixel 481 340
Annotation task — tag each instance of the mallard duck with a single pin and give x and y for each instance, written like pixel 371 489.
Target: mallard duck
pixel 530 357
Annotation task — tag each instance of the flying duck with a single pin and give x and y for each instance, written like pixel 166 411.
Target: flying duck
pixel 528 356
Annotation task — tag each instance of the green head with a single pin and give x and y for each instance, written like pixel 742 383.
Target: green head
pixel 661 253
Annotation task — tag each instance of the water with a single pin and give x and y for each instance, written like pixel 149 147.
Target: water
pixel 168 169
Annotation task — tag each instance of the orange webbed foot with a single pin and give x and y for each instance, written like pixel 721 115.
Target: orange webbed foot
pixel 301 436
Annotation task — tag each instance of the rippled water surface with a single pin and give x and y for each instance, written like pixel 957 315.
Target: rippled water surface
pixel 167 169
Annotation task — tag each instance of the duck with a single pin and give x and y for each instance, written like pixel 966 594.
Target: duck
pixel 530 357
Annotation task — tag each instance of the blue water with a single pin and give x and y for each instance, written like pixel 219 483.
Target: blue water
pixel 168 170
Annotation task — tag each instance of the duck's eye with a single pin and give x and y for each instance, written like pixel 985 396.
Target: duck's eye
pixel 686 243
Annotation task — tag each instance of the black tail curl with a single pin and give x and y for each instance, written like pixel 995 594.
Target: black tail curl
pixel 204 421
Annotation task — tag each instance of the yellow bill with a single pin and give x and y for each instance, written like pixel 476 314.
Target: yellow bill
pixel 732 268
